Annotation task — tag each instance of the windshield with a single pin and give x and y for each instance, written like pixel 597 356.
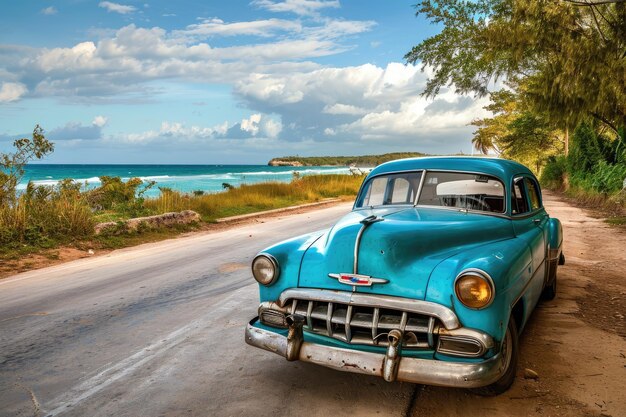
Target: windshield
pixel 443 189
pixel 390 189
pixel 464 191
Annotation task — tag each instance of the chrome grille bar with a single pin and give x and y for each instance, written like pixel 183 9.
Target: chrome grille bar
pixel 442 313
pixel 367 319
pixel 375 320
pixel 364 325
pixel 348 320
pixel 329 319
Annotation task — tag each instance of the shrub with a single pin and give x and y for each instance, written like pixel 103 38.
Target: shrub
pixel 607 178
pixel 43 215
pixel 553 174
pixel 115 194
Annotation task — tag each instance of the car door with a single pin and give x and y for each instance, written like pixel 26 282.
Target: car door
pixel 530 223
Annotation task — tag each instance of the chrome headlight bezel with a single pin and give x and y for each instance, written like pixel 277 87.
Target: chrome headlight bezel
pixel 475 272
pixel 271 262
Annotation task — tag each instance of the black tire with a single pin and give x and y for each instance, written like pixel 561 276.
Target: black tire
pixel 510 356
pixel 549 291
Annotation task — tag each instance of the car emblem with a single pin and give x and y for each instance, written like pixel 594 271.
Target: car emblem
pixel 358 279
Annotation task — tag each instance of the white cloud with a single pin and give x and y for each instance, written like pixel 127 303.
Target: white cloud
pixel 75 131
pixel 271 128
pixel 251 125
pixel 299 7
pixel 116 7
pixel 362 104
pixel 100 121
pixel 124 61
pixel 12 92
pixel 339 108
pixel 264 28
pixel 49 11
pixel 255 126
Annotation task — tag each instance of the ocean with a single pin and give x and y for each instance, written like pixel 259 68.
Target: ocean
pixel 184 178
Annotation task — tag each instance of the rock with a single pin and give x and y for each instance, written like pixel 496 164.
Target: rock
pixel 530 374
pixel 160 220
pixel 280 163
pixel 90 252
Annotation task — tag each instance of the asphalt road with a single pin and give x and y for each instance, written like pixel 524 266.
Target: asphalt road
pixel 157 330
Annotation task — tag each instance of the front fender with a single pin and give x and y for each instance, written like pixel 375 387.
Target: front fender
pixel 288 254
pixel 508 262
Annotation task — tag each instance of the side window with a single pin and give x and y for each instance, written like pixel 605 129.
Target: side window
pixel 533 193
pixel 400 193
pixel 376 194
pixel 519 203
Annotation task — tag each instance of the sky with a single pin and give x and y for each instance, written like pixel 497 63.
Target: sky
pixel 222 82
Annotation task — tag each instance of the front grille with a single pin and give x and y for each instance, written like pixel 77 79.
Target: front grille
pixel 365 324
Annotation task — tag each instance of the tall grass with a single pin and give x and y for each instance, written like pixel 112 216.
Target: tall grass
pixel 43 216
pixel 257 197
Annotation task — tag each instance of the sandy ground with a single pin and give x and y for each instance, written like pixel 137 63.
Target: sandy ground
pixel 157 330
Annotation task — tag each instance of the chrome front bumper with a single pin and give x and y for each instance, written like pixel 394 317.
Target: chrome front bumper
pixel 420 371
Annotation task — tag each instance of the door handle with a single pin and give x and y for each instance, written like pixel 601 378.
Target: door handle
pixel 537 221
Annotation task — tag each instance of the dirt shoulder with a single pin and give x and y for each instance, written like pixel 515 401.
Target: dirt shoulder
pixel 79 250
pixel 575 343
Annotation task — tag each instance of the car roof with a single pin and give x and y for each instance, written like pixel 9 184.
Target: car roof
pixel 503 169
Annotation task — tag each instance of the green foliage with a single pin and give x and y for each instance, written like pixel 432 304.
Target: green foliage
pixel 364 161
pixel 115 194
pixel 591 165
pixel 40 215
pixel 555 171
pixel 586 151
pixel 565 58
pixel 43 215
pixel 12 164
pixel 517 133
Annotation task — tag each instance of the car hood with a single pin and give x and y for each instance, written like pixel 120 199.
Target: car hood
pixel 404 248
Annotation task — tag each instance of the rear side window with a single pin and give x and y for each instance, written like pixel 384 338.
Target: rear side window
pixel 519 203
pixel 533 194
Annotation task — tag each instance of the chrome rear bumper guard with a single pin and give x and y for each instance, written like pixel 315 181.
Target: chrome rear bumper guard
pixel 391 365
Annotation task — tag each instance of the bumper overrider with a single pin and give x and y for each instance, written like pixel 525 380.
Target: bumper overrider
pixel 390 365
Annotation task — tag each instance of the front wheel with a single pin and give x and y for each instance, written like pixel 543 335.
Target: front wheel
pixel 510 354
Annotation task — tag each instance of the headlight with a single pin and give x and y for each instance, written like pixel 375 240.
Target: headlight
pixel 265 269
pixel 474 288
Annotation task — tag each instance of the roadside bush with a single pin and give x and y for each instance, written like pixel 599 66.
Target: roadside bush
pixel 43 215
pixel 553 174
pixel 607 178
pixel 123 197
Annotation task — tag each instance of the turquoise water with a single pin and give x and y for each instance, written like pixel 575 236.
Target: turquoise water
pixel 185 178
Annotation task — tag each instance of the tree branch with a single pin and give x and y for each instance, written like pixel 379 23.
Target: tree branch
pixel 593 3
pixel 605 121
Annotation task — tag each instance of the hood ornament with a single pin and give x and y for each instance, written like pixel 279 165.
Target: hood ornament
pixel 357 280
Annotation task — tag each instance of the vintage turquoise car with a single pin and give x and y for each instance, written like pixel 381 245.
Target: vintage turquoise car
pixel 429 279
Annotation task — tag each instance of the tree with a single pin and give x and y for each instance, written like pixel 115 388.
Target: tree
pixel 517 133
pixel 12 164
pixel 568 57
